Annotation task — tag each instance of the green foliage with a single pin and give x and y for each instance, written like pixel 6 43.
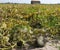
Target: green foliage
pixel 26 22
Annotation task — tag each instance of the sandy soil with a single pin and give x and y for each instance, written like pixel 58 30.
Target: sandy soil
pixel 48 46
